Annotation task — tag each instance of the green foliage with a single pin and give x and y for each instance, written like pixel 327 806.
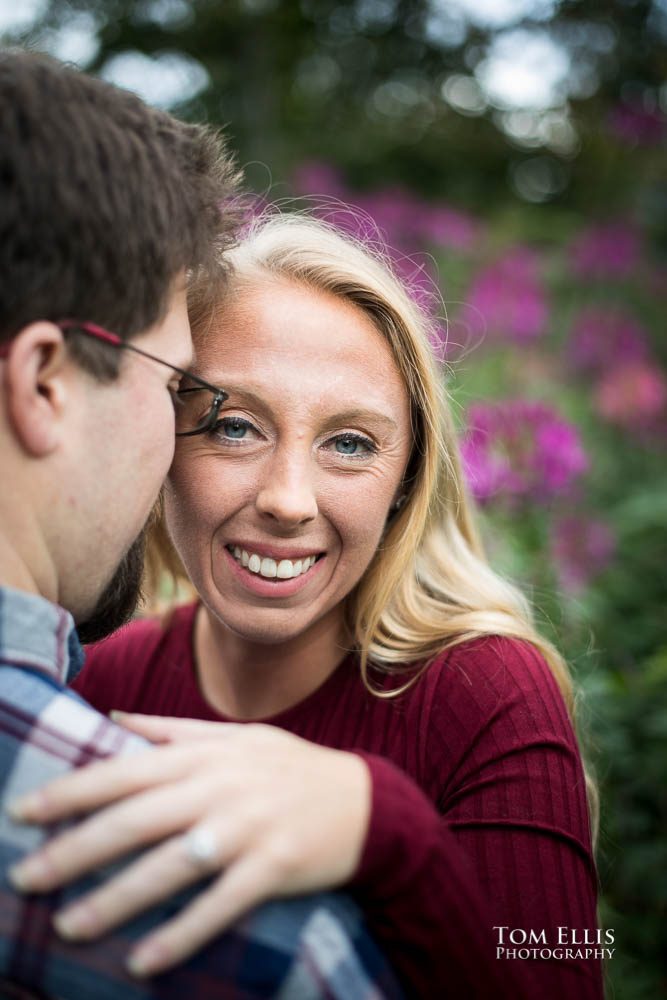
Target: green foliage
pixel 630 729
pixel 360 83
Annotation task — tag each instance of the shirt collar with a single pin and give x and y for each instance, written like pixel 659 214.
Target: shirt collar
pixel 36 633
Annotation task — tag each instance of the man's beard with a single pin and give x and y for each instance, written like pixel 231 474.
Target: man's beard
pixel 120 597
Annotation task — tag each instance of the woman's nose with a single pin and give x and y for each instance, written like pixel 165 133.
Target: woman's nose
pixel 287 493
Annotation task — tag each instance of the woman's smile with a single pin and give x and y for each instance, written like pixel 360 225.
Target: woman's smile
pixel 272 577
pixel 279 568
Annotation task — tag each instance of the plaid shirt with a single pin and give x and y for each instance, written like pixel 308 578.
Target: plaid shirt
pixel 300 948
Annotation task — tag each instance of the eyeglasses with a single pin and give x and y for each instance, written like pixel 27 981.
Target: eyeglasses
pixel 190 419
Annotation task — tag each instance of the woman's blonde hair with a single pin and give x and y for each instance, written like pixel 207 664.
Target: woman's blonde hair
pixel 429 586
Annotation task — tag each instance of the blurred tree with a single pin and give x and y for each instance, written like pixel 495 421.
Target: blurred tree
pixel 402 91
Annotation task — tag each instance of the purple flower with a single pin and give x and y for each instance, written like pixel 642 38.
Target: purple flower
pixel 604 336
pixel 610 250
pixel 521 450
pixel 396 213
pixel 582 548
pixel 317 179
pixel 349 219
pixel 632 396
pixel 510 298
pixel 447 227
pixel 408 221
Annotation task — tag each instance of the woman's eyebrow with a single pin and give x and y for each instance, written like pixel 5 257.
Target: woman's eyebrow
pixel 236 393
pixel 364 416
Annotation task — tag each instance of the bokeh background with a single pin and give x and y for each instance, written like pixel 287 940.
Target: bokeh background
pixel 512 154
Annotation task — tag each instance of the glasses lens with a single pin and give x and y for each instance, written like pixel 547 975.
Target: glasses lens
pixel 193 407
pixel 196 410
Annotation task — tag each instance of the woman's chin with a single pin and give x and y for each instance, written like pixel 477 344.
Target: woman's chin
pixel 264 626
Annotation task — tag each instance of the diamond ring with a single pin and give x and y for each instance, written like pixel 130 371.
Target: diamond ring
pixel 200 846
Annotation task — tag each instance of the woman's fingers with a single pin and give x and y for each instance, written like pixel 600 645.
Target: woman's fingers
pixel 134 889
pixel 167 729
pixel 126 826
pixel 246 883
pixel 98 784
pixel 95 785
pixel 149 880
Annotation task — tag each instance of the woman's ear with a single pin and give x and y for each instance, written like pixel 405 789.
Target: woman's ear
pixel 398 503
pixel 35 387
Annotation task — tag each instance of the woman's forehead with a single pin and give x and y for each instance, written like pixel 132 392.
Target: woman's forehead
pixel 290 328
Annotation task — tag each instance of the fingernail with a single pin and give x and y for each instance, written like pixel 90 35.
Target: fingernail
pixel 24 808
pixel 31 873
pixel 147 959
pixel 76 921
pixel 117 716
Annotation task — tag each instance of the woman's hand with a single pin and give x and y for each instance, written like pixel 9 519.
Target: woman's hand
pixel 274 814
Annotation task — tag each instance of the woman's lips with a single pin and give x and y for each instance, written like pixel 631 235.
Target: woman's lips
pixel 258 573
pixel 269 567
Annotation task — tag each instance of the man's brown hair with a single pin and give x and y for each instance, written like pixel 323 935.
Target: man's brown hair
pixel 103 201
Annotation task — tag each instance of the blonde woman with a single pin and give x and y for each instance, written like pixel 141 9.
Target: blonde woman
pixel 375 708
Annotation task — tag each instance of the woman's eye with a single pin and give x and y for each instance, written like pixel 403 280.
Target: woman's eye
pixel 233 429
pixel 353 446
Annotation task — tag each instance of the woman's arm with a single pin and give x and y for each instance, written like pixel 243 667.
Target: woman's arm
pixel 496 858
pixel 447 929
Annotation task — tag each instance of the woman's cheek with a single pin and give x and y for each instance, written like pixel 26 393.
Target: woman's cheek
pixel 360 530
pixel 192 488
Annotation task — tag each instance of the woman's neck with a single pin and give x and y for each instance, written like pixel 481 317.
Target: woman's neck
pixel 247 680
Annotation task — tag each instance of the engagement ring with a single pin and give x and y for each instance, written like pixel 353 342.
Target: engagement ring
pixel 201 847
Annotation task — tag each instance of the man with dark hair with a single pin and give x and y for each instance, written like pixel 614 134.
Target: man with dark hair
pixel 105 204
pixel 106 207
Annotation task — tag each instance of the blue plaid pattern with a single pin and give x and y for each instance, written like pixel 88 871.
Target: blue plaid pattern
pixel 307 947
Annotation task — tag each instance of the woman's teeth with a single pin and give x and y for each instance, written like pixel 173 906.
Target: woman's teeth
pixel 269 568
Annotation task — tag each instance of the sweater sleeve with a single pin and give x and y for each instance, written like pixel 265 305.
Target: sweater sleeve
pixel 481 882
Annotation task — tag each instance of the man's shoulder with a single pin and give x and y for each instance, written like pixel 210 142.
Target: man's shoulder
pixel 47 727
pixel 45 731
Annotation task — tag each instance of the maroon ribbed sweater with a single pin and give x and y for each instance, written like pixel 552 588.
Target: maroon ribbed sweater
pixel 478 818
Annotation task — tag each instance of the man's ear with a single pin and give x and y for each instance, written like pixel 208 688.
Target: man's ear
pixel 35 386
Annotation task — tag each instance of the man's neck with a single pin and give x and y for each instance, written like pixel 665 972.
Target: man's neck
pixel 16 571
pixel 13 571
